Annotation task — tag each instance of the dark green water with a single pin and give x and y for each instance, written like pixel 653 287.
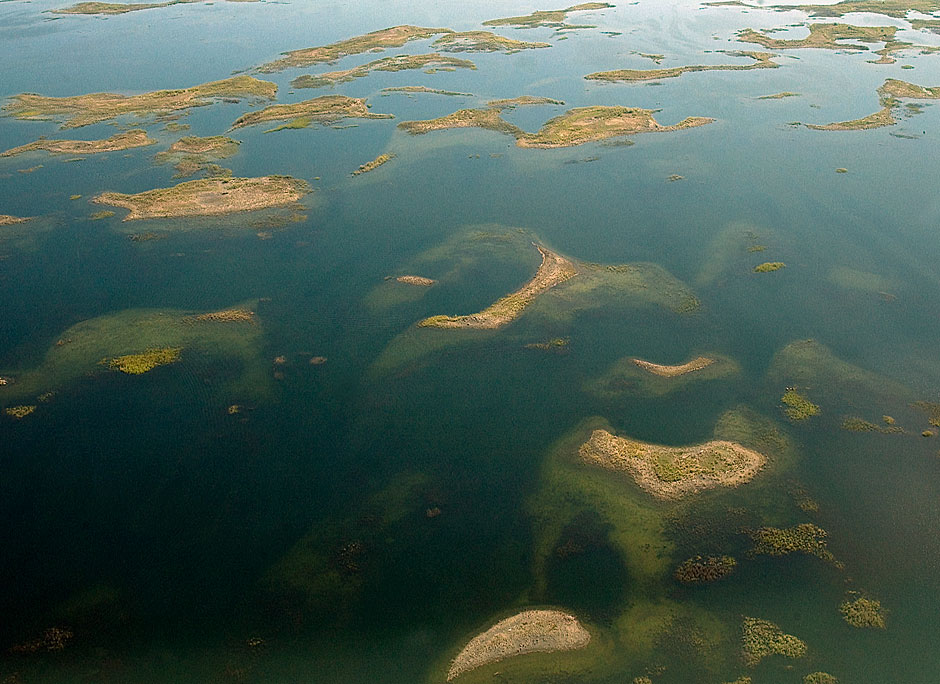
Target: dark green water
pixel 140 515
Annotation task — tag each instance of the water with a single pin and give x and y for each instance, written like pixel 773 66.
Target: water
pixel 157 527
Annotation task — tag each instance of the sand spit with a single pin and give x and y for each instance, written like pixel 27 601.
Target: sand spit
pixel 555 269
pixel 531 631
pixel 674 371
pixel 673 472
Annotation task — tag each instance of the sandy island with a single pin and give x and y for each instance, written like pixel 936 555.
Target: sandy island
pixel 7 220
pixel 554 269
pixel 396 36
pixel 661 370
pixel 111 8
pixel 575 127
pixel 209 197
pixel 324 109
pixel 762 60
pixel 118 141
pixel 531 631
pixel 673 472
pixel 83 110
pixel 420 281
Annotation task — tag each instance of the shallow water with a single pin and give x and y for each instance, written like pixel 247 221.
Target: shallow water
pixel 141 515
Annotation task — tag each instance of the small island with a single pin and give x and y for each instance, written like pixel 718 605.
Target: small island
pixel 396 36
pixel 84 110
pixel 119 141
pixel 7 220
pixel 898 9
pixel 192 154
pixel 762 638
pixel 397 63
pixel 419 281
pixel 424 89
pixel 762 60
pixel 374 164
pixel 554 269
pixel 701 570
pixel 208 197
pixel 112 8
pixel 522 101
pixel 549 18
pixel 863 613
pixel 531 631
pixel 324 109
pixel 663 371
pixel 144 362
pixel 483 41
pixel 804 538
pixel 668 472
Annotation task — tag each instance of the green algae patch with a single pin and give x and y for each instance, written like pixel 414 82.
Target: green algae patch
pixel 119 141
pixel 931 409
pixel 137 340
pixel 83 110
pixel 805 538
pixel 769 267
pixel 191 155
pixel 819 678
pixel 396 36
pixel 209 197
pixel 483 41
pixel 19 412
pixel 762 638
pixel 575 127
pixel 374 164
pixel 667 472
pixel 144 362
pixel 556 344
pixel 704 570
pixel 637 377
pixel 798 407
pixel 762 60
pixel 549 18
pixel 863 613
pixel 324 109
pixel 103 214
pixel 396 63
pixel 856 424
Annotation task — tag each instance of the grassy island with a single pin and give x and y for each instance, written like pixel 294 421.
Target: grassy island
pixel 889 94
pixel 208 197
pixel 863 613
pixel 701 570
pixel 424 89
pixel 83 110
pixel 805 538
pixel 374 164
pixel 483 41
pixel 898 9
pixel 827 36
pixel 779 96
pixel 138 364
pixel 769 267
pixel 661 370
pixel 798 407
pixel 396 63
pixel 531 631
pixel 419 281
pixel 522 101
pixel 762 60
pixel 555 269
pixel 118 141
pixel 192 154
pixel 324 109
pixel 819 678
pixel 673 472
pixel 19 412
pixel 549 18
pixel 762 638
pixel 575 127
pixel 7 220
pixel 111 8
pixel 396 36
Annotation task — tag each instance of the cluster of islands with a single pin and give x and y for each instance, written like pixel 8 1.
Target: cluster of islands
pixel 626 482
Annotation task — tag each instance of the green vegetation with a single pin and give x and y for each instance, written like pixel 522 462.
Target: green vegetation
pixel 397 63
pixel 209 197
pixel 769 266
pixel 804 538
pixel 374 164
pixel 98 215
pixel 122 8
pixel 701 570
pixel 863 613
pixel 191 155
pixel 820 678
pixel 556 344
pixel 762 638
pixel 854 424
pixel 488 119
pixel 798 407
pixel 779 96
pixel 324 109
pixel 762 60
pixel 521 101
pixel 19 412
pixel 83 110
pixel 898 9
pixel 118 141
pixel 138 364
pixel 483 41
pixel 931 409
pixel 889 94
pixel 549 18
pixel 424 89
pixel 395 36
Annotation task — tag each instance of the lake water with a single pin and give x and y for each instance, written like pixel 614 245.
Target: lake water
pixel 359 520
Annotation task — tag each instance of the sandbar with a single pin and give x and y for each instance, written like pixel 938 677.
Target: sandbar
pixel 668 472
pixel 324 109
pixel 209 197
pixel 531 631
pixel 374 164
pixel 664 371
pixel 119 141
pixel 554 269
pixel 7 220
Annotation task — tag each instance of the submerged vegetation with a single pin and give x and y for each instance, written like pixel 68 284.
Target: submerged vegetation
pixel 83 110
pixel 762 638
pixel 769 267
pixel 863 613
pixel 798 407
pixel 138 364
pixel 701 570
pixel 804 538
